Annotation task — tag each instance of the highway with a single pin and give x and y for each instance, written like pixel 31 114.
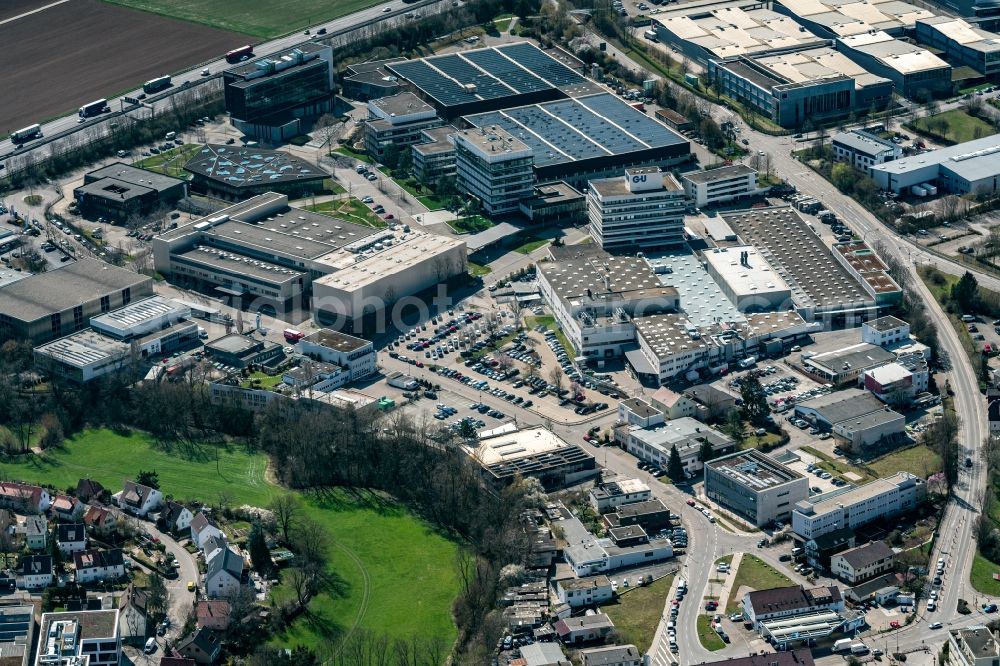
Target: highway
pixel 100 126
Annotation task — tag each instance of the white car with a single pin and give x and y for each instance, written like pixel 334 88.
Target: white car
pixel 935 625
pixel 386 10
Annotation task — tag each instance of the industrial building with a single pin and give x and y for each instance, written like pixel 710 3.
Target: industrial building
pixel 961 43
pixel 861 262
pixel 965 168
pixel 594 297
pixel 491 78
pixel 822 289
pixel 355 355
pixel 588 555
pixel 61 301
pixel 747 279
pixel 863 149
pixel 269 98
pixel 78 638
pixel 915 72
pixel 589 137
pixel 830 20
pixel 859 420
pixel 754 486
pixel 397 122
pixel 704 302
pixel 726 183
pixel 846 365
pixel 154 325
pixel 242 351
pixel 644 209
pixel 858 506
pixel 653 444
pixel 533 451
pixel 121 192
pixel 370 80
pixel 894 383
pixel 493 167
pixel 238 172
pixel 433 155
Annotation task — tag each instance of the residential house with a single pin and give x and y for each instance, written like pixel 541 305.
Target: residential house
pixel 67 509
pixel 212 544
pixel 543 654
pixel 612 655
pixel 71 538
pixel 35 572
pixel 99 565
pixel 223 573
pixel 213 614
pixel 788 602
pixel 139 499
pixel 677 405
pixel 202 527
pixel 714 402
pixel 36 532
pixel 203 646
pixel 23 498
pixel 176 517
pixel 80 637
pixel 584 629
pixel 589 591
pixel 863 563
pixel 134 614
pixel 100 519
pixel 88 490
pixel 974 645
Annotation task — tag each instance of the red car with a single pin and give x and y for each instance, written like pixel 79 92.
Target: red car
pixel 894 624
pixel 690 502
pixel 711 605
pixel 389 216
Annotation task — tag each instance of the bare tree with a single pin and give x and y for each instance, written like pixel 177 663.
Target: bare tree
pixel 286 510
pixel 556 376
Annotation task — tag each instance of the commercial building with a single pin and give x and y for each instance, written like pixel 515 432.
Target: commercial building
pixel 961 43
pixel 86 637
pixel 533 451
pixel 893 383
pixel 650 516
pixel 653 445
pixel 861 262
pixel 17 630
pixel 586 138
pixel 612 494
pixel 241 351
pixel 787 602
pixel 121 191
pixel 355 355
pixel 862 149
pixel 493 167
pixel 238 172
pixel 589 591
pixel 433 155
pixel 974 645
pixel 587 555
pixel 269 97
pixel 397 122
pixel 965 168
pixel 854 507
pixel 885 331
pixel 486 79
pixel 863 563
pixel 747 279
pixel 555 203
pixel 644 209
pixel 859 420
pixel 155 325
pixel 915 72
pixel 712 186
pixel 62 301
pixel 846 365
pixel 674 120
pixel 370 80
pixel 82 357
pixel 754 486
pixel 822 289
pixel 594 297
pixel 637 411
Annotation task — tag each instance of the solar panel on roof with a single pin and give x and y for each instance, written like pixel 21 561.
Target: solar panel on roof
pixel 487 86
pixel 534 60
pixel 433 83
pixel 506 70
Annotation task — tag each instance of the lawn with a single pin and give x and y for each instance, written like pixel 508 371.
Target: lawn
pixel 479 269
pixel 171 162
pixel 549 322
pixel 406 594
pixel 350 210
pixel 917 460
pixel 265 380
pixel 530 245
pixel 835 466
pixel 259 18
pixel 757 575
pixel 350 152
pixel 955 125
pixel 982 576
pixel 638 611
pixel 707 635
pixel 470 225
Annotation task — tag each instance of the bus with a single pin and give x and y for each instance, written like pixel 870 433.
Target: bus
pixel 156 85
pixel 95 108
pixel 293 336
pixel 27 134
pixel 240 54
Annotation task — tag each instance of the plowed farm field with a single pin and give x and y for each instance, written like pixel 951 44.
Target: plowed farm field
pixel 73 52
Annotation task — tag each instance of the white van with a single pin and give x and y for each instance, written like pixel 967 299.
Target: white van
pixel 150 647
pixel 170 136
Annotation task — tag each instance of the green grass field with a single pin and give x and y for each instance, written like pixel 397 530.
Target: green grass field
pixel 707 635
pixel 402 594
pixel 757 575
pixel 470 225
pixel 171 163
pixel 479 269
pixel 837 467
pixel 351 210
pixel 982 576
pixel 257 18
pixel 531 245
pixel 917 460
pixel 955 125
pixel 638 611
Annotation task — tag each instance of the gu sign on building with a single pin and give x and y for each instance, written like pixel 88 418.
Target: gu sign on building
pixel 644 179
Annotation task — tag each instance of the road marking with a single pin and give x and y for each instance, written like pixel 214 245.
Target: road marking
pixel 34 11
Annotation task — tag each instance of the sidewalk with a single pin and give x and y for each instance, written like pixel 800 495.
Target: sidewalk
pixel 727 587
pixel 659 650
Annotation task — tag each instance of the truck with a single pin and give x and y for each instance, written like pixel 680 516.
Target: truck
pixel 859 648
pixel 293 336
pixel 748 362
pixel 95 108
pixel 931 189
pixel 650 35
pixel 156 85
pixel 842 644
pixel 240 54
pixel 399 380
pixel 26 134
pixel 918 191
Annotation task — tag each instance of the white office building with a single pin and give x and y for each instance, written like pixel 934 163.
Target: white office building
pixel 858 506
pixel 862 150
pixel 642 209
pixel 885 331
pixel 355 355
pixel 754 486
pixel 495 167
pixel 79 638
pixel 719 185
pixel 653 445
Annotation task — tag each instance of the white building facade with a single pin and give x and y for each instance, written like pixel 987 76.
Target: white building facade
pixel 642 209
pixel 495 167
pixel 859 506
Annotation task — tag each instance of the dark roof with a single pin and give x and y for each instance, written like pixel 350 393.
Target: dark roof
pixel 177 661
pixel 227 561
pixel 93 559
pixel 610 654
pixel 886 323
pixel 795 597
pixel 870 553
pixel 203 640
pixel 69 532
pixel 834 539
pixel 641 508
pixel 171 513
pixel 36 565
pixel 801 657
pixel 980 641
pixel 87 488
pixel 135 493
pixel 212 544
pixel 200 522
pixel 994 410
pixel 34 525
pixel 131 175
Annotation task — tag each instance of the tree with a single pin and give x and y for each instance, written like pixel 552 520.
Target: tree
pixel 706 452
pixel 842 176
pixel 556 376
pixel 150 478
pixel 963 292
pixel 286 511
pixel 157 596
pixel 754 398
pixel 675 468
pixel 260 556
pixel 734 426
pixel 310 542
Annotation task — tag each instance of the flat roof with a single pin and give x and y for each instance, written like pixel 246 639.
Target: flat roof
pixel 401 104
pixel 523 443
pixel 239 166
pixel 214 259
pixel 702 299
pixel 234 343
pixel 336 340
pixel 580 128
pixel 94 624
pixel 864 142
pixel 972 160
pixel 491 140
pixel 886 323
pixel 685 432
pixel 979 640
pixel 253 66
pixel 962 32
pixel 842 405
pixel 134 176
pixel 753 277
pixel 800 657
pixel 721 173
pixel 753 469
pixel 728 29
pixel 114 189
pixel 618 186
pixel 798 256
pixel 139 312
pixel 667 334
pixel 872 270
pixel 895 54
pixel 602 278
pixel 858 494
pixel 859 355
pixel 63 288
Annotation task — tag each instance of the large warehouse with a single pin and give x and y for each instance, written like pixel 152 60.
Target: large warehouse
pixel 588 137
pixel 747 279
pixel 965 168
pixel 238 172
pixel 963 43
pixel 478 80
pixel 915 71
